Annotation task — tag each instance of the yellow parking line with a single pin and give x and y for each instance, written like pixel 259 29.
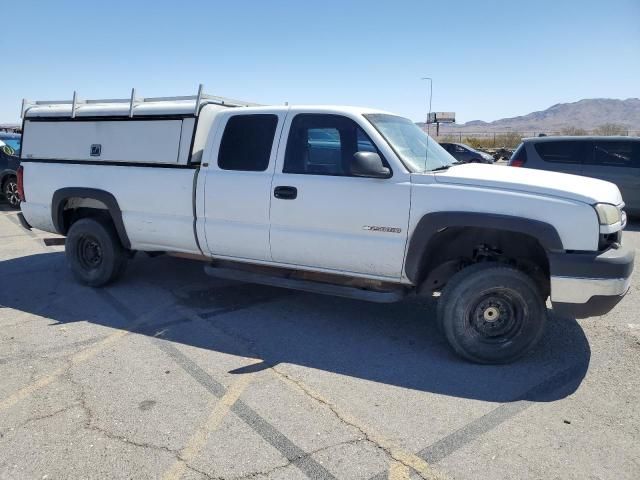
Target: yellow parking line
pixel 415 462
pixel 400 456
pixel 398 471
pixel 29 389
pixel 198 440
pixel 78 357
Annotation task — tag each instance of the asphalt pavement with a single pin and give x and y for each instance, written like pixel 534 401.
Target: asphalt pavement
pixel 171 374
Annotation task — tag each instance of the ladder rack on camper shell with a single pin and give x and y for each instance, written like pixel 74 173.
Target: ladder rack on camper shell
pixel 200 99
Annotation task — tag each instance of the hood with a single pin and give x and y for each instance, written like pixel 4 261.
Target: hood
pixel 572 187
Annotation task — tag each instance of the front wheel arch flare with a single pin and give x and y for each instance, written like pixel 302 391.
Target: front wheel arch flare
pixel 433 223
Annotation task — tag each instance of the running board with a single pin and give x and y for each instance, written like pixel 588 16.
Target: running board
pixel 387 296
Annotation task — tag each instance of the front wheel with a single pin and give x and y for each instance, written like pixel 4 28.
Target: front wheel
pixel 491 313
pixel 94 252
pixel 10 191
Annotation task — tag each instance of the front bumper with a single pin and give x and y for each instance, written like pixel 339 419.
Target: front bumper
pixel 590 284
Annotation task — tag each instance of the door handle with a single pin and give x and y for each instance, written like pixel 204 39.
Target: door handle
pixel 285 193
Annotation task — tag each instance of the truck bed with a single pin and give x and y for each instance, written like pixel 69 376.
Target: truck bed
pixel 156 202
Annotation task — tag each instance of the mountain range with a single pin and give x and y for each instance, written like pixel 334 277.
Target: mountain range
pixel 587 114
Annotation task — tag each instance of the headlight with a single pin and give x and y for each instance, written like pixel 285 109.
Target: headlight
pixel 608 214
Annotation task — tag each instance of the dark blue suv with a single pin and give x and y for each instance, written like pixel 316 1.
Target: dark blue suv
pixel 466 154
pixel 10 144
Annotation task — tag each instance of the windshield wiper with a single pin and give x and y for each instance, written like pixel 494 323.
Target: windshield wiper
pixel 444 167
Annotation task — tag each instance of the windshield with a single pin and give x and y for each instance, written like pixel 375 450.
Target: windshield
pixel 417 150
pixel 10 146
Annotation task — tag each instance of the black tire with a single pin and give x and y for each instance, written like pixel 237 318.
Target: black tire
pixel 94 252
pixel 491 313
pixel 10 191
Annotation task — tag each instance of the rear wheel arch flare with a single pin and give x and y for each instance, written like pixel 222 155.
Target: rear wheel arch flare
pixel 61 196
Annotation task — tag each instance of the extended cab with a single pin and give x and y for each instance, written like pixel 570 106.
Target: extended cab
pixel 337 200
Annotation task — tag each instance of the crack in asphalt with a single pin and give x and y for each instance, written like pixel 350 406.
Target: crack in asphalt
pixel 290 463
pixel 89 422
pixel 268 432
pixel 53 350
pixel 38 418
pixel 423 470
pixel 267 472
pixel 200 472
pixel 275 468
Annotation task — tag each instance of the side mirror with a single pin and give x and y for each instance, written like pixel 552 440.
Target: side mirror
pixel 368 164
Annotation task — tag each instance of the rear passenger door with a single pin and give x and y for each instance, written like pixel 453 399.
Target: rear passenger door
pixel 565 156
pixel 238 185
pixel 618 161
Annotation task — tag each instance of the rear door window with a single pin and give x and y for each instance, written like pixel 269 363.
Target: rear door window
pixel 247 141
pixel 617 153
pixel 561 151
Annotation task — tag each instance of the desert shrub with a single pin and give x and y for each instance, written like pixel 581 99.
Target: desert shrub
pixel 448 139
pixel 506 140
pixel 573 131
pixel 611 129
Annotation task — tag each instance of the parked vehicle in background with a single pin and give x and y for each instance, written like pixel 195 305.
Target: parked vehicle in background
pixel 336 200
pixel 10 144
pixel 13 141
pixel 615 159
pixel 466 154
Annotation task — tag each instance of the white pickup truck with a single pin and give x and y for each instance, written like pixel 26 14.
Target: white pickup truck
pixel 337 200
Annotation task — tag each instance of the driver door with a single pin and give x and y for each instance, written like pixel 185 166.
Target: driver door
pixel 323 217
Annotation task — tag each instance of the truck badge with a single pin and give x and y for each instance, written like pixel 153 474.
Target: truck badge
pixel 96 150
pixel 375 228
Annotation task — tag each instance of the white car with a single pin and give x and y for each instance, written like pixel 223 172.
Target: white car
pixel 337 200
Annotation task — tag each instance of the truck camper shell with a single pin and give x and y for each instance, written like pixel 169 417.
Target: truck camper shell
pixel 156 130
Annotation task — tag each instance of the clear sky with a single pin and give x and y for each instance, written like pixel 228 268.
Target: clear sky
pixel 489 59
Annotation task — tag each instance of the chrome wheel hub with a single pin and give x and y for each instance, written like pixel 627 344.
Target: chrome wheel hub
pixel 11 192
pixel 491 314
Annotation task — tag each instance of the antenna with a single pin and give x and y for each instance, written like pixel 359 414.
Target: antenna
pixel 430 98
pixel 426 155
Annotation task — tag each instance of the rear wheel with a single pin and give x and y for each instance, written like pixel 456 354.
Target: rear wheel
pixel 94 252
pixel 491 313
pixel 10 191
